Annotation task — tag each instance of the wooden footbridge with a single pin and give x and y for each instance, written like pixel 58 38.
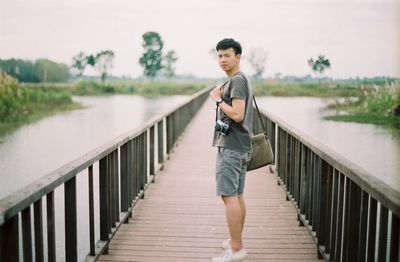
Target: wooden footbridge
pixel 151 197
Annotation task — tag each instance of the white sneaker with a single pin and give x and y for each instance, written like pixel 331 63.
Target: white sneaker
pixel 230 256
pixel 226 244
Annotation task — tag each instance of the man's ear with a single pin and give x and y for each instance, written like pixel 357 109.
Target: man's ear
pixel 238 56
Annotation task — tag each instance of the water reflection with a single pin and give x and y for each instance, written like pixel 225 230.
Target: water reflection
pixel 375 148
pixel 36 149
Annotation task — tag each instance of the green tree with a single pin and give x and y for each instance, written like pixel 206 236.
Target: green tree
pixel 152 57
pixel 42 70
pixel 49 71
pixel 257 59
pixel 79 63
pixel 91 60
pixel 23 70
pixel 319 65
pixel 169 61
pixel 104 63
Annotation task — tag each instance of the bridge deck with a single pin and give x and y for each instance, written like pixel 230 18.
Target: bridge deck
pixel 181 219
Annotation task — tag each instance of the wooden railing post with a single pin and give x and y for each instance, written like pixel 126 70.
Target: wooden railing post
pixel 38 229
pixel 9 235
pixel 136 156
pixel 104 202
pixel 383 233
pixel 92 243
pixel 145 162
pixel 371 229
pixel 362 238
pixel 125 203
pixel 116 186
pixel 110 176
pixel 51 228
pixel 335 193
pixel 324 204
pixel 27 234
pixel 131 170
pixel 395 243
pixel 303 166
pixel 161 139
pixel 71 239
pixel 340 212
pixel 352 223
pixel 169 132
pixel 140 163
pixel 152 149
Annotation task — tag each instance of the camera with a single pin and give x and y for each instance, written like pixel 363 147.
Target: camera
pixel 223 126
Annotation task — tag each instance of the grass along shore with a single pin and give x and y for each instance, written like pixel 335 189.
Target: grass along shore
pixel 378 105
pixel 141 88
pixel 24 103
pixel 20 105
pixel 373 104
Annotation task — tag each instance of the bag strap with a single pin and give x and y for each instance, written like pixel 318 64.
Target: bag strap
pixel 255 103
pixel 259 115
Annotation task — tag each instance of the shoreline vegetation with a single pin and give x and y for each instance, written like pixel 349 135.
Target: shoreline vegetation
pixel 378 105
pixel 22 103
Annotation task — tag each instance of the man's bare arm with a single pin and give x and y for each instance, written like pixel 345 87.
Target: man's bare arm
pixel 236 111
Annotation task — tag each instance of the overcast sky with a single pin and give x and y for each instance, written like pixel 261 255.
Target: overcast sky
pixel 360 37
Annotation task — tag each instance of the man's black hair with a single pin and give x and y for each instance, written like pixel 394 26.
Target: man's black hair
pixel 229 43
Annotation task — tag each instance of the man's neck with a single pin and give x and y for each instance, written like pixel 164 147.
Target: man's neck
pixel 233 71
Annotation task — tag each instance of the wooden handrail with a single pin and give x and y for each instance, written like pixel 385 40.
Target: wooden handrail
pixel 124 159
pixel 340 202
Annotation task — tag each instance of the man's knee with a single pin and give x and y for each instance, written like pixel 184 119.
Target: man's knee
pixel 230 199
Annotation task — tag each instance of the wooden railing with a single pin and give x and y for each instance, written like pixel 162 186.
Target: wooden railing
pixel 124 167
pixel 352 215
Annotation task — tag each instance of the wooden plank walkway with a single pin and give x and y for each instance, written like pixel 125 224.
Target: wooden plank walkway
pixel 181 219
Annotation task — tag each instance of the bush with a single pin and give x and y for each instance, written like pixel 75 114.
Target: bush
pixel 9 96
pixel 381 99
pixel 18 103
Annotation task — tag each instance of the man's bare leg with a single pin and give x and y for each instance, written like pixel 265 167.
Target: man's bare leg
pixel 243 208
pixel 234 218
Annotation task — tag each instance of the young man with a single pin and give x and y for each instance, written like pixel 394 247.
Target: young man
pixel 234 99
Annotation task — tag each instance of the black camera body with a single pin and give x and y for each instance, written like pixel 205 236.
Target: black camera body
pixel 223 127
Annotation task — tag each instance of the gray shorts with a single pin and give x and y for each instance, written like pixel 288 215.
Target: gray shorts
pixel 231 171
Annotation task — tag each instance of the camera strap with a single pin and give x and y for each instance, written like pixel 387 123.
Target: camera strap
pixel 216 109
pixel 216 113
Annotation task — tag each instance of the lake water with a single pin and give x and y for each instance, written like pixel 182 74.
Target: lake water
pixel 375 148
pixel 39 148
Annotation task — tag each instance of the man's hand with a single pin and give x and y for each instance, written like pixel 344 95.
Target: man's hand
pixel 217 92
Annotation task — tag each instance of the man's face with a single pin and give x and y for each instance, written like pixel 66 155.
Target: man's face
pixel 227 59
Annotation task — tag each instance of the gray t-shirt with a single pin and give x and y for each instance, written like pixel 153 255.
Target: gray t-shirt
pixel 239 137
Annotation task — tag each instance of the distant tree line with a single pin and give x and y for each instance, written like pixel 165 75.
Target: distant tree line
pixel 41 70
pixel 153 61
